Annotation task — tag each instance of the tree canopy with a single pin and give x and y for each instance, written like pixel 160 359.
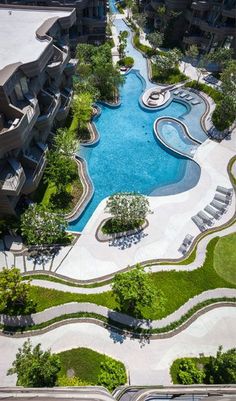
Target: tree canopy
pixel 189 374
pixel 41 226
pixel 155 39
pixel 112 374
pixel 14 292
pixel 96 67
pixel 128 207
pixel 221 369
pixel 135 290
pixel 35 367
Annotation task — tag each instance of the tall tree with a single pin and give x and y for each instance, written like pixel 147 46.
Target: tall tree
pixel 191 53
pixel 135 290
pixel 35 367
pixel 155 39
pixel 221 56
pixel 82 109
pixel 65 142
pixel 60 170
pixel 221 369
pixel 14 292
pixel 128 207
pixel 40 226
pixel 122 37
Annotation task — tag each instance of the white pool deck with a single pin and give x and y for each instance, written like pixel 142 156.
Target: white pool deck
pixel 148 363
pixel 168 225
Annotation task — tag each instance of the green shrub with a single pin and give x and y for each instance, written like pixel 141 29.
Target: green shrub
pixel 171 76
pixel 113 226
pixel 214 93
pixel 186 371
pixel 128 61
pixel 112 374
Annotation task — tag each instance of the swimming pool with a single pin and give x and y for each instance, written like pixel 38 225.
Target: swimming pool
pixel 173 134
pixel 128 156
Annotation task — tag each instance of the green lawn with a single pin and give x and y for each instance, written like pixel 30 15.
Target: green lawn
pixel 225 258
pixel 85 363
pixel 177 287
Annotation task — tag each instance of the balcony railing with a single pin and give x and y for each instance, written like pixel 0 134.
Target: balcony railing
pixel 12 177
pixel 49 105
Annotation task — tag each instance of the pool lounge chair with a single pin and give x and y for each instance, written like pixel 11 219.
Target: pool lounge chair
pixel 212 212
pixel 219 206
pixel 222 198
pixel 206 219
pixel 188 239
pixel 194 102
pixel 225 191
pixel 199 223
pixel 183 94
pixel 189 98
pixel 182 249
pixel 176 92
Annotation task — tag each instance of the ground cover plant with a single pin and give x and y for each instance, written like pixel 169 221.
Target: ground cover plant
pixel 184 284
pixel 218 369
pixel 225 258
pixel 91 368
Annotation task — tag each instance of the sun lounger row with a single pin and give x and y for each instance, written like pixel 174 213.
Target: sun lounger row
pixel 217 207
pixel 185 244
pixel 186 96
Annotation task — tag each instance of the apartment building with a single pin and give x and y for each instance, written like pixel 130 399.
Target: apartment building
pixel 90 26
pixel 35 93
pixel 208 24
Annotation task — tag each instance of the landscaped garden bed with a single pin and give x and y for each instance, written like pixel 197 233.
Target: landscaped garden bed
pixel 110 229
pixel 184 284
pixel 90 368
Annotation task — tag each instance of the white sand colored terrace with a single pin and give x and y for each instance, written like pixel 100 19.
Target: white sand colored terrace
pixel 148 363
pixel 168 225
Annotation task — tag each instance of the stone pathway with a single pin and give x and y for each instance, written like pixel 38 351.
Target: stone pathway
pixel 75 307
pixel 148 362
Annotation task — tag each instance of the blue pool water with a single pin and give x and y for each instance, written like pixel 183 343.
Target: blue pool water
pixel 173 134
pixel 128 156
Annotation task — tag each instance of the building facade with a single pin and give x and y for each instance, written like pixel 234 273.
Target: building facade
pixel 35 93
pixel 208 24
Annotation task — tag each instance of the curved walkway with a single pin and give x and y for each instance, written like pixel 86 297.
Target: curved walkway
pixel 197 263
pixel 75 307
pixel 147 361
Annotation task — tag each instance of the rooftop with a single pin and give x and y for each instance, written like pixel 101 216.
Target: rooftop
pixel 18 41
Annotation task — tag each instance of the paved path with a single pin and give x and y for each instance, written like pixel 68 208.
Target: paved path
pixel 148 362
pixel 75 307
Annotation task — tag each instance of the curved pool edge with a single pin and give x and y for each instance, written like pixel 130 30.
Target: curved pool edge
pixel 168 146
pixel 171 189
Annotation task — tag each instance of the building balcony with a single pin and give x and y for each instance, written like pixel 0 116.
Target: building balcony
pixel 58 62
pixel 34 164
pixel 66 98
pixel 16 123
pixel 49 103
pixel 229 13
pixel 220 30
pixel 195 40
pixel 95 21
pixel 12 177
pixel 177 5
pixel 70 67
pixel 200 5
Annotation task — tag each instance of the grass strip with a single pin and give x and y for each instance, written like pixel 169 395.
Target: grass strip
pixel 184 284
pixel 109 322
